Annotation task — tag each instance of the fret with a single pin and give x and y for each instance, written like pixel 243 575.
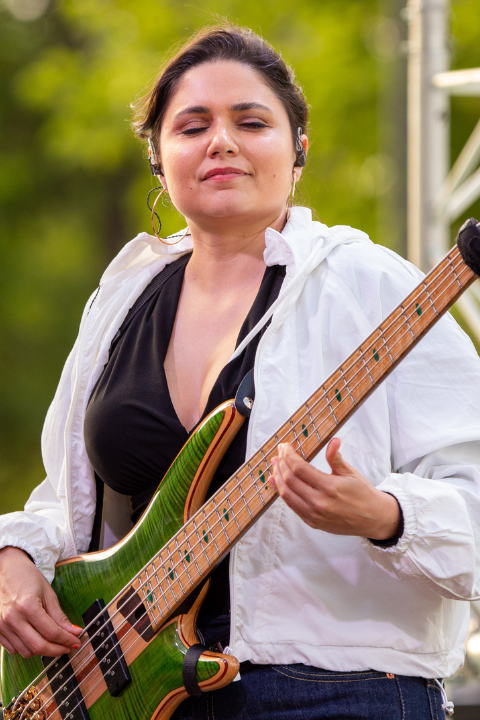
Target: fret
pixel 407 322
pixel 168 579
pixel 331 409
pixel 177 567
pixel 141 588
pixel 232 512
pixel 159 587
pixel 365 365
pixel 221 520
pixel 454 271
pixel 385 345
pixel 431 299
pixel 347 388
pixel 240 489
pixel 312 423
pixel 193 555
pixel 206 535
pixel 150 599
pixel 265 460
pixel 201 548
pixel 212 534
pixel 261 481
pixel 259 493
pixel 297 440
pixel 182 561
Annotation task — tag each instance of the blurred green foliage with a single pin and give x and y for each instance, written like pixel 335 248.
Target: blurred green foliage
pixel 73 179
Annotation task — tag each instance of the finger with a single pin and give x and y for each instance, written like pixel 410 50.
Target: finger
pixel 300 496
pixel 16 640
pixel 53 609
pixel 302 469
pixel 28 641
pixel 51 632
pixel 7 645
pixel 301 505
pixel 335 459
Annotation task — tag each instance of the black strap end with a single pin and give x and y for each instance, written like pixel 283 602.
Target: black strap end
pixel 189 669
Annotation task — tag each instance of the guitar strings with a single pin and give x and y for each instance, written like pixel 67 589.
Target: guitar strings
pixel 255 483
pixel 188 575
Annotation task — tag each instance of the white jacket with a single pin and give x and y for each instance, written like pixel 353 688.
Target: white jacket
pixel 301 595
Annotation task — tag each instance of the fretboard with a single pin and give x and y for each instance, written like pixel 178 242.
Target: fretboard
pixel 211 533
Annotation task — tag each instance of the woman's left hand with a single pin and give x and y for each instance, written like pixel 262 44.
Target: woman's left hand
pixel 342 502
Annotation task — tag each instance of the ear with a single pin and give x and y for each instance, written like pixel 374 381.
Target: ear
pixel 298 168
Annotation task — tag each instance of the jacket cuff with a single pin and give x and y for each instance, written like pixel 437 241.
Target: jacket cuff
pixel 407 509
pixel 21 544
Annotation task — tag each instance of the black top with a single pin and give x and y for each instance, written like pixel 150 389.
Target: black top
pixel 132 432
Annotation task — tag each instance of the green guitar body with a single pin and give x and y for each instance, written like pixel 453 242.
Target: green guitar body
pixel 157 687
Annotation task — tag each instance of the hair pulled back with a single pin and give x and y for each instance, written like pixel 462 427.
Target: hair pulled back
pixel 223 42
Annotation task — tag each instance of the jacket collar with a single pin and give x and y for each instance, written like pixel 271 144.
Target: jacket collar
pixel 295 243
pixel 292 247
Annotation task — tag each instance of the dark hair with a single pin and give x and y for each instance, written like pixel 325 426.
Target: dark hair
pixel 224 42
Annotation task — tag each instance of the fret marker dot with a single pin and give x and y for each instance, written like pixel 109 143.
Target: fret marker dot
pixel 205 536
pixel 225 515
pixel 305 431
pixel 170 573
pixel 419 309
pixel 337 395
pixel 261 475
pixel 187 556
pixel 376 355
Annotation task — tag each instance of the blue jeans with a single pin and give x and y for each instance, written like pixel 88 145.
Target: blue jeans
pixel 302 692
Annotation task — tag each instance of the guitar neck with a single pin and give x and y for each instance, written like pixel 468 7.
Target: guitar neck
pixel 211 533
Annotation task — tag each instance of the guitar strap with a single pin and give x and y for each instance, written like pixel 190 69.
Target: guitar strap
pixel 189 669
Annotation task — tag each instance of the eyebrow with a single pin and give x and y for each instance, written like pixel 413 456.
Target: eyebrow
pixel 238 107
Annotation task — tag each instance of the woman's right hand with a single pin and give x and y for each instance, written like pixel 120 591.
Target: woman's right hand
pixel 31 619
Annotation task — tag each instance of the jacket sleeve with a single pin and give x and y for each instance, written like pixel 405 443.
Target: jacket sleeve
pixel 42 530
pixel 434 409
pixel 440 501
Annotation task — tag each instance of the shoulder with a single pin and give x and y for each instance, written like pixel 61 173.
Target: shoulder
pixel 374 276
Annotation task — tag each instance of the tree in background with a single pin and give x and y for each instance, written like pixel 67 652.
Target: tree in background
pixel 73 179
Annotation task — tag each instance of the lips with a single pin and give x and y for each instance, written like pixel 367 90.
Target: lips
pixel 219 172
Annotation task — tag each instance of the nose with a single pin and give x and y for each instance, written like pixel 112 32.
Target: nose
pixel 222 142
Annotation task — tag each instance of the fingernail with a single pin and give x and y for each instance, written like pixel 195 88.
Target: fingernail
pixel 75 647
pixel 77 627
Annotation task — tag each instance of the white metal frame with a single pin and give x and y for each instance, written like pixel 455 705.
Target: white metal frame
pixel 437 195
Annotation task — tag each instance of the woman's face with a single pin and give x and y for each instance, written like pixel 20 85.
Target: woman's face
pixel 226 147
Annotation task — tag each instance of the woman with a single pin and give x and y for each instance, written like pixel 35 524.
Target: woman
pixel 344 597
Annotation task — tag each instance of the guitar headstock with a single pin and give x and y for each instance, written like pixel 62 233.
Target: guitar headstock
pixel 468 241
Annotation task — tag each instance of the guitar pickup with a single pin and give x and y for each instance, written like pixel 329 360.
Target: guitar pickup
pixel 106 646
pixel 65 688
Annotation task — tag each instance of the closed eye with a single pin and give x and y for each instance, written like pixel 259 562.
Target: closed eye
pixel 254 124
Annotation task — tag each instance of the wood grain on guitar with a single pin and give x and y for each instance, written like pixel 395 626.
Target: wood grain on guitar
pixel 154 581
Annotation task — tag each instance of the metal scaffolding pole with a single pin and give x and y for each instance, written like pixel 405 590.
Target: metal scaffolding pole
pixel 437 196
pixel 428 130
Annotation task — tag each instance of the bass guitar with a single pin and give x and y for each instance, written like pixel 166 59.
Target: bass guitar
pixel 138 600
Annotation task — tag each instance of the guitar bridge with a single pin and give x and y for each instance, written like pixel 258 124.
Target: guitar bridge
pixel 104 641
pixel 27 706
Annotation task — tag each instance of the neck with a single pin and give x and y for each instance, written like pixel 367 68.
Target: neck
pixel 228 257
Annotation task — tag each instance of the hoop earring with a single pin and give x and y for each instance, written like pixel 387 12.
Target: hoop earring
pixel 156 215
pixel 292 193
